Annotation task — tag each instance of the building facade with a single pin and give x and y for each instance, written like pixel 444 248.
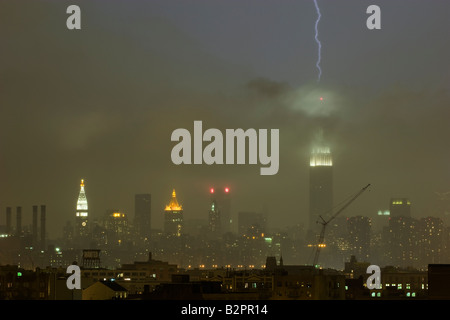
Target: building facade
pixel 142 215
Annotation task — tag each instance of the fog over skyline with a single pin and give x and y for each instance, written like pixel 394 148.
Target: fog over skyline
pixel 101 103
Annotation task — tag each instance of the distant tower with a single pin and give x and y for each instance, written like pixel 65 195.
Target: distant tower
pixel 142 214
pixel 18 221
pixel 81 218
pixel 320 185
pixel 222 199
pixel 173 217
pixel 358 237
pixel 214 219
pixel 225 210
pixel 430 240
pixel 402 237
pixel 400 207
pixel 35 225
pixel 404 245
pixel 43 225
pixel 117 229
pixel 8 220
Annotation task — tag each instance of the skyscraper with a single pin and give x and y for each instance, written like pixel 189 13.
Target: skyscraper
pixel 8 220
pixel 430 240
pixel 222 199
pixel 81 218
pixel 18 221
pixel 214 222
pixel 402 249
pixel 400 207
pixel 173 217
pixel 358 236
pixel 142 214
pixel 403 234
pixel 320 185
pixel 117 228
pixel 35 225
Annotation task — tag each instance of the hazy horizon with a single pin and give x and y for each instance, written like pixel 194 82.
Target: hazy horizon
pixel 101 103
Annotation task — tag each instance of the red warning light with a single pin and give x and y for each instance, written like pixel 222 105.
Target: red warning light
pixel 211 190
pixel 227 190
pixel 321 98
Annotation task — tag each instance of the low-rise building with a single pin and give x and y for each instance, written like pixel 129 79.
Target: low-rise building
pixel 104 290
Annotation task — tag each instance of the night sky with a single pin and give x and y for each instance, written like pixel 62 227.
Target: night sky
pixel 101 103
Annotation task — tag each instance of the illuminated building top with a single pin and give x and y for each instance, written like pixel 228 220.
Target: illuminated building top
pixel 401 201
pixel 400 207
pixel 173 205
pixel 82 204
pixel 118 215
pixel 321 157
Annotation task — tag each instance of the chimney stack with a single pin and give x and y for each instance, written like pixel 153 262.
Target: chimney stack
pixel 34 230
pixel 8 220
pixel 18 221
pixel 43 227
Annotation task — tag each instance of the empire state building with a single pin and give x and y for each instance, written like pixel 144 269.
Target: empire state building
pixel 320 185
pixel 81 223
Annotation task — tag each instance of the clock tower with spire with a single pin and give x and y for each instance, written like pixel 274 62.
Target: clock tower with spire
pixel 81 215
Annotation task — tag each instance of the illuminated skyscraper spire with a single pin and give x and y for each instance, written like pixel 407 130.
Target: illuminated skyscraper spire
pixel 82 204
pixel 173 205
pixel 173 217
pixel 321 154
pixel 81 222
pixel 321 157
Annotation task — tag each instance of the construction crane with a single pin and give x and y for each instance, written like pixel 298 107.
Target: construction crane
pixel 324 223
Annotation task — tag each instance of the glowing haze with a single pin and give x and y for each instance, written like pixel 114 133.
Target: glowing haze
pixel 101 104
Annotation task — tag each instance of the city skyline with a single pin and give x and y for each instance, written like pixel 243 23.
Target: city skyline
pixel 388 239
pixel 100 104
pixel 11 219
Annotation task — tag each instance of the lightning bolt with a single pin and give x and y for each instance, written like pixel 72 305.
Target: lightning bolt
pixel 319 44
